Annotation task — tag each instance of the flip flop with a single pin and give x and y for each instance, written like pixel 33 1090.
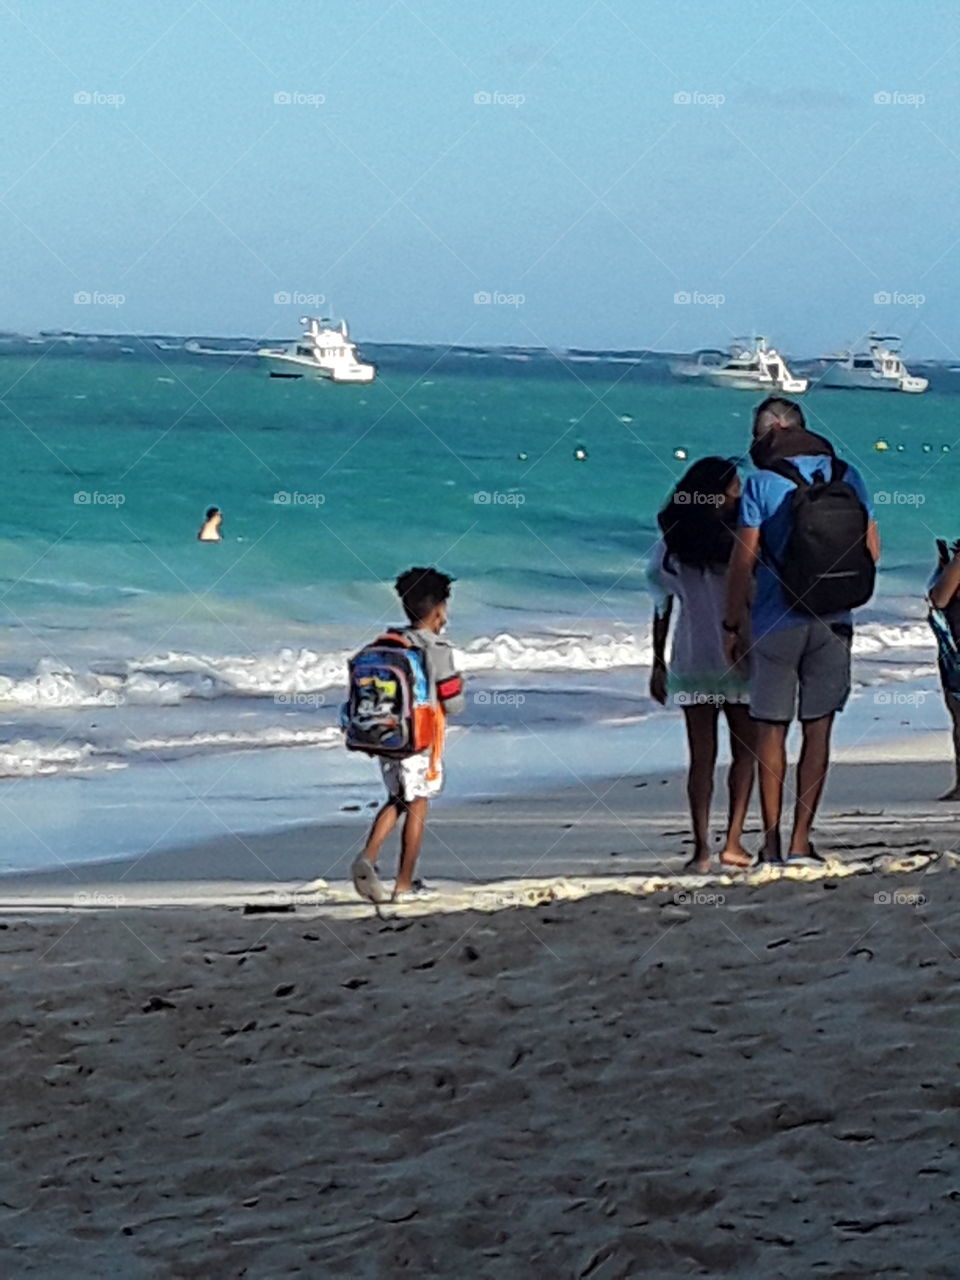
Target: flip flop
pixel 809 859
pixel 366 881
pixel 729 868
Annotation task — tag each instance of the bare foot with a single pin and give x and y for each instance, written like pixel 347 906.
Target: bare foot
pixel 736 856
pixel 697 866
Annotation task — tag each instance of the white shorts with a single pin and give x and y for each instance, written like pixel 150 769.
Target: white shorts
pixel 407 779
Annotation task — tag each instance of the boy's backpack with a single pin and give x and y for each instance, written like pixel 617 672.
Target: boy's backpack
pixel 826 566
pixel 388 710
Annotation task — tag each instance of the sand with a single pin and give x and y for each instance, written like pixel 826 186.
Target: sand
pixel 711 1078
pixel 618 1086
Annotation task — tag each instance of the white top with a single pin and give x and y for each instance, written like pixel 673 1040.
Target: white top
pixel 697 660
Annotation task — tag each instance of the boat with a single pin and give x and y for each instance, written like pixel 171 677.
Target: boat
pixel 323 351
pixel 196 348
pixel 750 364
pixel 879 368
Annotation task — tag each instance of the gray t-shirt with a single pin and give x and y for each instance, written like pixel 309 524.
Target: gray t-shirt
pixel 440 663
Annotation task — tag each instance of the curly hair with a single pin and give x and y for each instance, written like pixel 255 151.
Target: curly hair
pixel 421 590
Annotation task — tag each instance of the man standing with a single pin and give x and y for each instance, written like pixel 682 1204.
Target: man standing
pixel 807 529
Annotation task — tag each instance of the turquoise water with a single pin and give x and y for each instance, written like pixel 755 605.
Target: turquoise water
pixel 128 642
pixel 380 477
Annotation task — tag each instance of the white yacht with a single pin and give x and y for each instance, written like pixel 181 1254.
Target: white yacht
pixel 750 365
pixel 324 351
pixel 879 368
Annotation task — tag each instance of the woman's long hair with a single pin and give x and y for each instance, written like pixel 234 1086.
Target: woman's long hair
pixel 697 533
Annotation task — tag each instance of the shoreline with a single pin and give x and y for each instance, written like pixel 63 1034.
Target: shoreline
pixel 633 827
pixel 170 804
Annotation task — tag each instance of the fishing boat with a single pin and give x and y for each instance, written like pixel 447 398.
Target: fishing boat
pixel 879 368
pixel 750 364
pixel 324 350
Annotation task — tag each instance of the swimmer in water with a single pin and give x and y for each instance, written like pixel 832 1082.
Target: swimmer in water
pixel 210 530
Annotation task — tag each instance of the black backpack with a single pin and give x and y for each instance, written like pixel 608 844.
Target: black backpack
pixel 826 567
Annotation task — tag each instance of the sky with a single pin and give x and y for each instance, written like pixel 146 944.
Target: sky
pixel 625 173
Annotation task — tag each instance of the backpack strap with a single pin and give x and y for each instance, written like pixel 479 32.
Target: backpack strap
pixel 789 472
pixel 838 470
pixel 396 639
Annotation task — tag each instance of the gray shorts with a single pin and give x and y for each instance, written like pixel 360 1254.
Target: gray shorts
pixel 812 659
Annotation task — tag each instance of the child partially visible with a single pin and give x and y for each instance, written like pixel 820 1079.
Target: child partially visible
pixel 414 780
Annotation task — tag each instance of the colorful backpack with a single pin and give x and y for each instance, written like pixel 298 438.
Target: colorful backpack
pixel 388 710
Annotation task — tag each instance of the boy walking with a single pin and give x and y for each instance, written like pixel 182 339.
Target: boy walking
pixel 413 779
pixel 806 527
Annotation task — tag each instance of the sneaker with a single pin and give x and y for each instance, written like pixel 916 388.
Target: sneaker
pixel 366 881
pixel 417 893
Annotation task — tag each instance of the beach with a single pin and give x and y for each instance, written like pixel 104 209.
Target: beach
pixel 427 434
pixel 633 1072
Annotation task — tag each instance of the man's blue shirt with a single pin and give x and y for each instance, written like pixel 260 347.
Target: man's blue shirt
pixel 766 506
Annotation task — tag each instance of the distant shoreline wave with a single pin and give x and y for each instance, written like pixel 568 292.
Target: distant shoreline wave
pixel 288 675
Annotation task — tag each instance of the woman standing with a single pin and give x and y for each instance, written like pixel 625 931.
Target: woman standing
pixel 689 565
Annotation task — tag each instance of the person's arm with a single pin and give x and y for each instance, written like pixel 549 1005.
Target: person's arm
pixel 447 679
pixel 873 540
pixel 947 583
pixel 739 579
pixel 661 628
pixel 873 531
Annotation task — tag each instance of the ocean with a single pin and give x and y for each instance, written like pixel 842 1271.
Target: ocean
pixel 145 674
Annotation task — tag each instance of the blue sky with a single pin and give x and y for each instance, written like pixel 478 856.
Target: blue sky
pixel 776 192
